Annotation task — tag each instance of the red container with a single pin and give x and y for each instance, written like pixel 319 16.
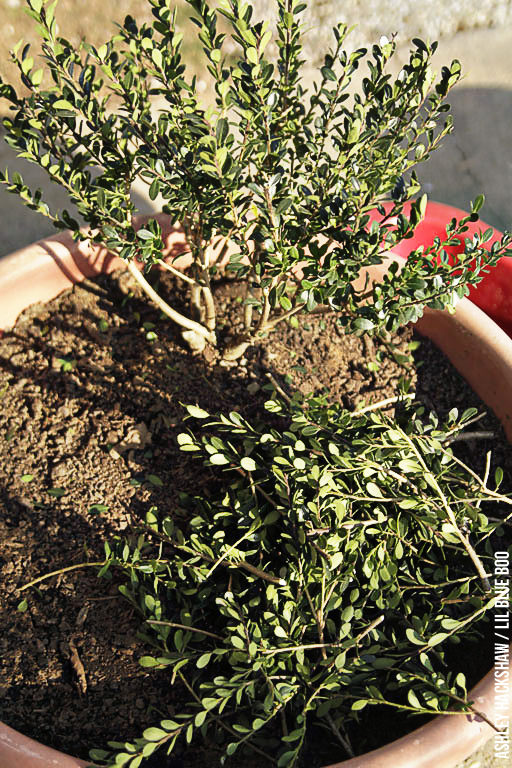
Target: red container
pixel 494 293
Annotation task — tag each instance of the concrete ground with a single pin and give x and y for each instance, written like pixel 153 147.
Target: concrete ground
pixel 476 158
pixel 484 758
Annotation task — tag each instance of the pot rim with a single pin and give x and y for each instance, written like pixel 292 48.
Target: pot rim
pixel 42 270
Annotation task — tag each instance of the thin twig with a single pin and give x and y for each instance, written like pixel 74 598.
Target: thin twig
pixel 486 474
pixel 473 420
pixel 256 486
pixel 177 317
pixel 278 388
pixel 257 572
pixel 306 647
pixel 471 708
pixel 383 403
pixel 196 302
pixel 285 316
pixel 248 308
pixel 177 272
pixel 469 436
pixel 366 631
pixel 343 741
pixel 478 713
pixel 319 624
pixel 321 552
pixel 369 628
pixel 230 549
pixel 491 494
pixel 505 521
pixel 58 572
pixel 284 724
pixel 184 626
pixel 484 576
pixel 241 564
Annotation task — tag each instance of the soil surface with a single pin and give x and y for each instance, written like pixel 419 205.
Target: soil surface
pixel 92 389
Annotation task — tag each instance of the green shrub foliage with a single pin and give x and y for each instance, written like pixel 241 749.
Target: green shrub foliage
pixel 329 570
pixel 287 176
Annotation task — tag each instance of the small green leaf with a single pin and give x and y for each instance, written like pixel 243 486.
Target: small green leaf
pixel 285 758
pixel 408 466
pixel 122 758
pixel 154 189
pixel 196 412
pixel 413 637
pixel 374 490
pixel 145 234
pixel 413 699
pixel 57 492
pixel 97 509
pixel 437 638
pixel 355 130
pixel 200 718
pixel 62 104
pixel 65 364
pixel 22 606
pixel 154 480
pixel 156 55
pixel 209 703
pixel 27 478
pixel 248 464
pixel 154 734
pixel 363 324
pixel 218 459
pixel 383 663
pixel 221 130
pixel 252 55
pixel 479 201
pixel 328 74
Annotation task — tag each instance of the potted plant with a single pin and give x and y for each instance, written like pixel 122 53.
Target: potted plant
pixel 285 181
pixel 277 188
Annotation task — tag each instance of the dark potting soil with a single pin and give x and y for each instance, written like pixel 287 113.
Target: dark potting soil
pixel 92 388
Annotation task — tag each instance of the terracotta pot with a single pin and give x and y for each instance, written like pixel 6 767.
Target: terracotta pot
pixel 478 348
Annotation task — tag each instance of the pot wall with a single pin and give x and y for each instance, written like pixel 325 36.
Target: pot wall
pixel 478 348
